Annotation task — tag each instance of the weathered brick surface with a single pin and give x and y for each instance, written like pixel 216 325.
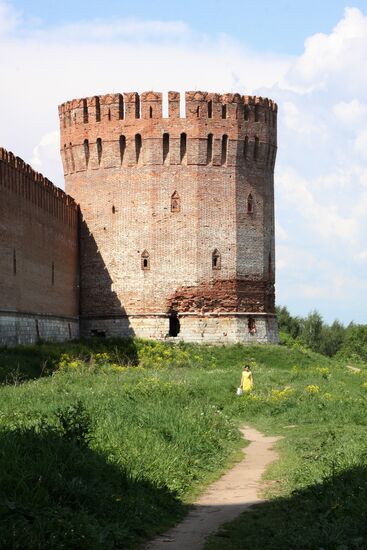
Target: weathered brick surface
pixel 38 256
pixel 124 171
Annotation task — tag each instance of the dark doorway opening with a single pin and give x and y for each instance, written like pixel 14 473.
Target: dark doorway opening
pixel 174 325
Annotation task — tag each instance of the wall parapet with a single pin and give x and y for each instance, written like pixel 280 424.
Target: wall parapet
pixel 219 129
pixel 19 177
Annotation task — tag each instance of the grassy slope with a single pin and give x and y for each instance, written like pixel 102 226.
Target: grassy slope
pixel 159 434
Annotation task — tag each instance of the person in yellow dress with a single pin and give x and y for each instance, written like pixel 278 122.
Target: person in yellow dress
pixel 247 381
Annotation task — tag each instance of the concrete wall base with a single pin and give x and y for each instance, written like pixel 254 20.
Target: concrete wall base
pixel 212 328
pixel 22 328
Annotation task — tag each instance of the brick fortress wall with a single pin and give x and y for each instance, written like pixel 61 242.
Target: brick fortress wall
pixel 177 225
pixel 38 257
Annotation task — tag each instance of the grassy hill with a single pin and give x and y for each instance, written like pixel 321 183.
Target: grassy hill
pixel 112 439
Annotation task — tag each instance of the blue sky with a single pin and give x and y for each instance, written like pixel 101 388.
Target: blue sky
pixel 311 57
pixel 279 26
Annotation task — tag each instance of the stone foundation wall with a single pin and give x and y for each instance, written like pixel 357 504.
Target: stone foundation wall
pixel 32 329
pixel 211 328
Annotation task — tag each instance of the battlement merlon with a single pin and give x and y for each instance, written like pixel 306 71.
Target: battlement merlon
pixel 148 105
pixel 19 166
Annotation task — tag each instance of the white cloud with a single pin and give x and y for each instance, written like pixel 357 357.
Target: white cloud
pixel 9 18
pixel 352 113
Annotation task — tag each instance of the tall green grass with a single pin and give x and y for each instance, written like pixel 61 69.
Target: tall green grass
pixel 100 454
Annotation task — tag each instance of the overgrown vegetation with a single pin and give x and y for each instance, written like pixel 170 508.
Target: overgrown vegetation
pixel 347 343
pixel 112 445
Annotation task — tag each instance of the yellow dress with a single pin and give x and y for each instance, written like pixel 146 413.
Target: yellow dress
pixel 247 382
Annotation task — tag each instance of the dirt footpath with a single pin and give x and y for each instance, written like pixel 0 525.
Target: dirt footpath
pixel 225 499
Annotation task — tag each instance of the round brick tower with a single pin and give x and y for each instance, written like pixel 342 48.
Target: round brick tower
pixel 177 214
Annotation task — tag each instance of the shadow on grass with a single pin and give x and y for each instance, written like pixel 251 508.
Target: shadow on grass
pixel 329 515
pixel 21 363
pixel 55 492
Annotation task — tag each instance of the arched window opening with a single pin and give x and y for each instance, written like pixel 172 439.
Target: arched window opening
pixel 150 112
pixel 138 146
pixel 250 204
pixel 145 260
pixel 210 109
pixel 198 111
pixel 251 325
pixel 98 109
pixel 224 111
pixel 122 142
pixel 99 150
pixel 256 148
pixel 224 149
pixel 216 259
pixel 209 154
pixel 121 107
pixel 183 147
pixel 85 111
pixel 165 148
pixel 86 152
pixel 174 325
pixel 257 113
pixel 53 274
pixel 175 202
pixel 137 106
pixel 14 262
pixel 245 147
pixel 246 113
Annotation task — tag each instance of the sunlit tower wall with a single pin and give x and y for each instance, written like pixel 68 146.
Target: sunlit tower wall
pixel 177 214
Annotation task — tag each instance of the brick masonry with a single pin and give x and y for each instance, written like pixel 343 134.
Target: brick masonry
pixel 177 228
pixel 38 257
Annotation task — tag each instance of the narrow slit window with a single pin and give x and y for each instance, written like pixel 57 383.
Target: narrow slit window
pixel 246 113
pixel 85 111
pixel 175 202
pixel 150 112
pixel 98 109
pixel 113 210
pixel 224 149
pixel 245 147
pixel 269 266
pixel 66 158
pixel 257 113
pixel 14 262
pixel 165 148
pixel 210 149
pixel 86 152
pixel 210 109
pixel 137 106
pixel 138 146
pixel 250 204
pixel 109 114
pixel 53 274
pixel 122 148
pixel 198 111
pixel 72 157
pixel 183 146
pixel 224 111
pixel 99 150
pixel 216 260
pixel 145 261
pixel 256 148
pixel 121 107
